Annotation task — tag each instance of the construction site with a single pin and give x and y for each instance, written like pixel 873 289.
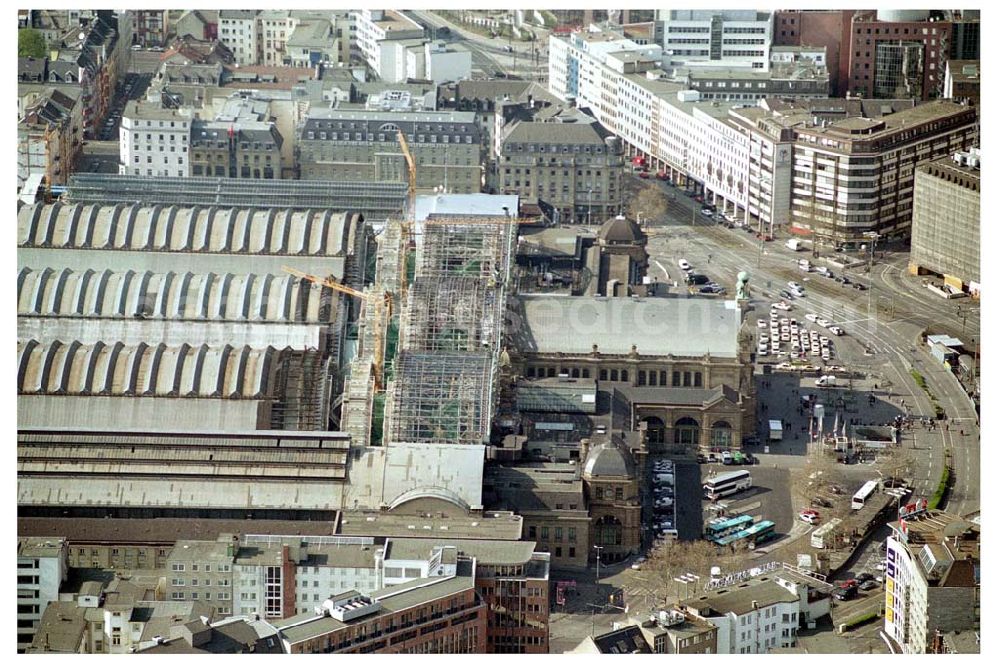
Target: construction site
pixel 427 370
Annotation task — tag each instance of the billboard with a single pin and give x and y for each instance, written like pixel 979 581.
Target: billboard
pixel 896 570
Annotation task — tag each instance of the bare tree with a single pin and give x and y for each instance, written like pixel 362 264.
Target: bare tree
pixel 649 204
pixel 671 559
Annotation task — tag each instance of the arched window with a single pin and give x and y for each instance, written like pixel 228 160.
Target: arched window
pixel 624 375
pixel 686 431
pixel 608 531
pixel 655 430
pixel 722 434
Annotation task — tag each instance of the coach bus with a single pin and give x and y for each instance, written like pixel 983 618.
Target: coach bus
pixel 753 535
pixel 722 527
pixel 727 483
pixel 866 491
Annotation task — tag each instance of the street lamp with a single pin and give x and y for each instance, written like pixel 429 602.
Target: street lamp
pixel 872 236
pixel 590 205
pixel 598 549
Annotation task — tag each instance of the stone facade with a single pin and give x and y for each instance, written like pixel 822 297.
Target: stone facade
pixel 611 481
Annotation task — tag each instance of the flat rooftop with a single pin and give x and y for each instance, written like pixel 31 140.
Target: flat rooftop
pixel 163 530
pixel 654 326
pixel 496 525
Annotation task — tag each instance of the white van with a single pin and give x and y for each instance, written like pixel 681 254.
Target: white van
pixel 684 265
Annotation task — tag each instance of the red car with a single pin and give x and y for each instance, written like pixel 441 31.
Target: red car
pixel 662 175
pixel 644 174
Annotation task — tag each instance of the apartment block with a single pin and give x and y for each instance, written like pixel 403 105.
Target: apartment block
pixel 238 31
pixel 761 612
pixel 41 569
pixel 945 237
pixel 569 164
pixel 363 145
pixel 155 141
pixel 202 571
pixel 242 149
pixel 932 578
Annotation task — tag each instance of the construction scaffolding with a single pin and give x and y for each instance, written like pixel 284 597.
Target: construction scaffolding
pixel 466 248
pixel 374 200
pixel 450 314
pixel 440 397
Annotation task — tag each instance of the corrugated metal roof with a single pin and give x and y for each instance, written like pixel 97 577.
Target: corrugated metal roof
pixel 73 368
pixel 187 296
pixel 184 229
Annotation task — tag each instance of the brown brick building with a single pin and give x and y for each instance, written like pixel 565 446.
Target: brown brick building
pixel 819 27
pixel 612 484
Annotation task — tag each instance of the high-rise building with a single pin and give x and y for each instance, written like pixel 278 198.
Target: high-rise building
pixel 931 578
pixel 946 220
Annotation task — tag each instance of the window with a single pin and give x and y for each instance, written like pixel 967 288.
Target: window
pixel 177 567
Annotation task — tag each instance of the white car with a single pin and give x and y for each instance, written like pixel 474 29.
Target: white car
pixel 637 565
pixel 812 316
pixel 795 286
pixel 684 265
pixel 824 322
pixel 781 306
pixel 836 330
pixel 707 212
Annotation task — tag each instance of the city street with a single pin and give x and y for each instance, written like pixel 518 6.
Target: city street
pixel 883 345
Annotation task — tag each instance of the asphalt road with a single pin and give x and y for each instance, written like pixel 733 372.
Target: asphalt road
pixel 882 341
pixel 490 56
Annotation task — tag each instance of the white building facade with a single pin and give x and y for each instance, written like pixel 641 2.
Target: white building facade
pixel 712 38
pixel 154 141
pixel 238 31
pixel 41 569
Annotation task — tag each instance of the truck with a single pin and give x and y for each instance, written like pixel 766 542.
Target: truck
pixel 776 429
pixel 793 244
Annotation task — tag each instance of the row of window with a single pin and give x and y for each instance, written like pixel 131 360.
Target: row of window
pixel 543 533
pixel 176 566
pixel 179 582
pixel 682 378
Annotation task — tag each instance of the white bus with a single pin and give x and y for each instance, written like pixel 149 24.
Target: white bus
pixel 866 491
pixel 726 484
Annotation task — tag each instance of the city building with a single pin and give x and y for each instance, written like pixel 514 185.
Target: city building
pixel 197 23
pixel 795 71
pixel 550 498
pixel 511 578
pixel 617 263
pixel 50 136
pixel 377 25
pixel 312 43
pixel 438 614
pixel 819 28
pixel 898 54
pixel 677 364
pixel 238 148
pixel 42 567
pixel 274 28
pixel 962 81
pixel 363 145
pixel 611 477
pixel 155 141
pixel 234 635
pixel 965 34
pixel 150 27
pixel 238 31
pixel 675 632
pixel 627 640
pixel 880 152
pixel 712 38
pixel 932 578
pixel 114 620
pixel 946 220
pixel 762 611
pixel 568 163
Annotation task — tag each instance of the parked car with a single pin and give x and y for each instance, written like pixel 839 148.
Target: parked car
pixel 868 585
pixel 781 306
pixel 811 518
pixel 637 565
pixel 863 577
pixel 821 502
pixel 683 264
pixel 845 593
pixel 860 287
pixel 695 278
pixel 707 212
pixel 727 458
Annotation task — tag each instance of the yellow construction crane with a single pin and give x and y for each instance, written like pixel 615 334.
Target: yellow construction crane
pixel 383 312
pixel 411 210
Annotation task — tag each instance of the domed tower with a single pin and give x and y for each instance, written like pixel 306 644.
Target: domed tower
pixel 611 483
pixel 619 260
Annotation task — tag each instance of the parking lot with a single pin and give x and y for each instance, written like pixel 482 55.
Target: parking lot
pixel 768 499
pixel 783 336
